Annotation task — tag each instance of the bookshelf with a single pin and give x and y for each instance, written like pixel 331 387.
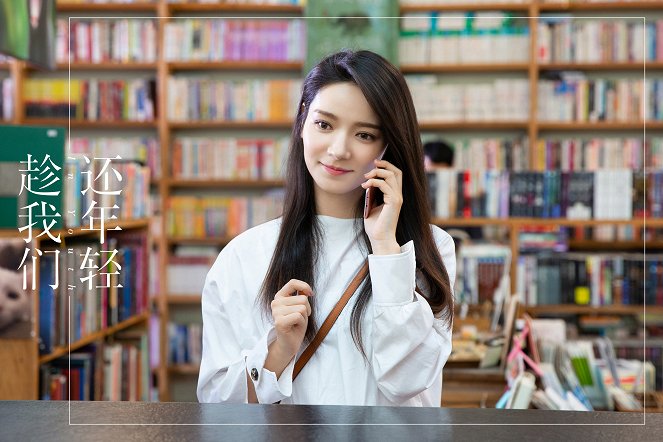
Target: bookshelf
pixel 20 372
pixel 171 305
pixel 77 7
pixel 235 8
pixel 166 130
pixel 105 66
pixel 74 124
pixel 92 337
pixel 483 6
pixel 175 66
pixel 473 389
pixel 599 6
pixel 587 309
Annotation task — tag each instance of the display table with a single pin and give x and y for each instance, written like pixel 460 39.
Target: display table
pixel 135 421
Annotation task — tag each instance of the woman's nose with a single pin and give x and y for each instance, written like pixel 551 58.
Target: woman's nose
pixel 339 150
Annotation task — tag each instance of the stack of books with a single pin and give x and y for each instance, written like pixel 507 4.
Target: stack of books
pixel 235 40
pixel 197 99
pixel 103 41
pixel 561 39
pixel 438 100
pixel 453 38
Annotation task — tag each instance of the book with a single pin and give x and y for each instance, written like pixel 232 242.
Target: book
pixel 523 389
pixel 31 173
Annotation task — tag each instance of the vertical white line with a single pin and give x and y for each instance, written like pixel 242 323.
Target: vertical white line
pixel 644 217
pixel 69 141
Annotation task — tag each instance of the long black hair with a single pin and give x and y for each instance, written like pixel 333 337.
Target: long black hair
pixel 296 252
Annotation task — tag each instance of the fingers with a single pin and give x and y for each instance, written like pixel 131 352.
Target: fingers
pixel 286 310
pixel 380 184
pixel 387 175
pixel 291 301
pixel 388 172
pixel 286 302
pixel 286 316
pixel 386 165
pixel 390 193
pixel 291 320
pixel 292 286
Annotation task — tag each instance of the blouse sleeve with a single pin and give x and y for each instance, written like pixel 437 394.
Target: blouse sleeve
pixel 233 344
pixel 410 344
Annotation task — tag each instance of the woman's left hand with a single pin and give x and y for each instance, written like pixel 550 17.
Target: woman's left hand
pixel 382 221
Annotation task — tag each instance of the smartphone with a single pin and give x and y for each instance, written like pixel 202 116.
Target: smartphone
pixel 373 195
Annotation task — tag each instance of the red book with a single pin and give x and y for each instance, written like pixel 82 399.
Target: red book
pixel 467 195
pixel 75 384
pixel 88 50
pixel 659 284
pixel 103 100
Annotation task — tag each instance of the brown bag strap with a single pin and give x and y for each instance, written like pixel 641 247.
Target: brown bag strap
pixel 331 318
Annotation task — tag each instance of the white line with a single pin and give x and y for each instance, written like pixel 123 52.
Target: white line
pixel 644 218
pixel 373 17
pixel 381 424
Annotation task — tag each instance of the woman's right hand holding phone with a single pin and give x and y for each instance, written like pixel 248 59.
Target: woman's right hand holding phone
pixel 290 311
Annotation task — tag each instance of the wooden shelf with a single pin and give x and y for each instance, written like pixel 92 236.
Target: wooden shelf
pixel 513 67
pixel 231 125
pixel 600 125
pixel 205 241
pixel 587 309
pixel 183 299
pixel 472 222
pixel 575 6
pixel 184 369
pixel 267 65
pixel 614 245
pixel 496 6
pixel 79 124
pixel 80 231
pixel 472 125
pixel 109 225
pixel 479 67
pixel 64 6
pixel 492 374
pixel 624 66
pixel 515 222
pixel 107 66
pixel 573 244
pixel 251 184
pixel 638 222
pixel 92 337
pixel 226 7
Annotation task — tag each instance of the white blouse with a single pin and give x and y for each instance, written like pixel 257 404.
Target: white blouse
pixel 405 344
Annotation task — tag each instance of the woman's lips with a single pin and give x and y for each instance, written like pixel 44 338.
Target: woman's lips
pixel 334 171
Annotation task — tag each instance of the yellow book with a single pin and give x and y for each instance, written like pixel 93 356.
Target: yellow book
pixel 74 92
pixel 540 156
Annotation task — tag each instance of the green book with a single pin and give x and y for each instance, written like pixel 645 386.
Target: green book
pixel 45 147
pixel 342 24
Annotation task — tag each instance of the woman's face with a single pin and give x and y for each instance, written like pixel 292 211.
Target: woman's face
pixel 341 138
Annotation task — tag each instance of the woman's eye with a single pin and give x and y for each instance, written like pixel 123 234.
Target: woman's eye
pixel 322 125
pixel 366 136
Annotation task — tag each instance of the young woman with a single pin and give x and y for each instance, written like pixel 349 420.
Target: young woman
pixel 273 285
